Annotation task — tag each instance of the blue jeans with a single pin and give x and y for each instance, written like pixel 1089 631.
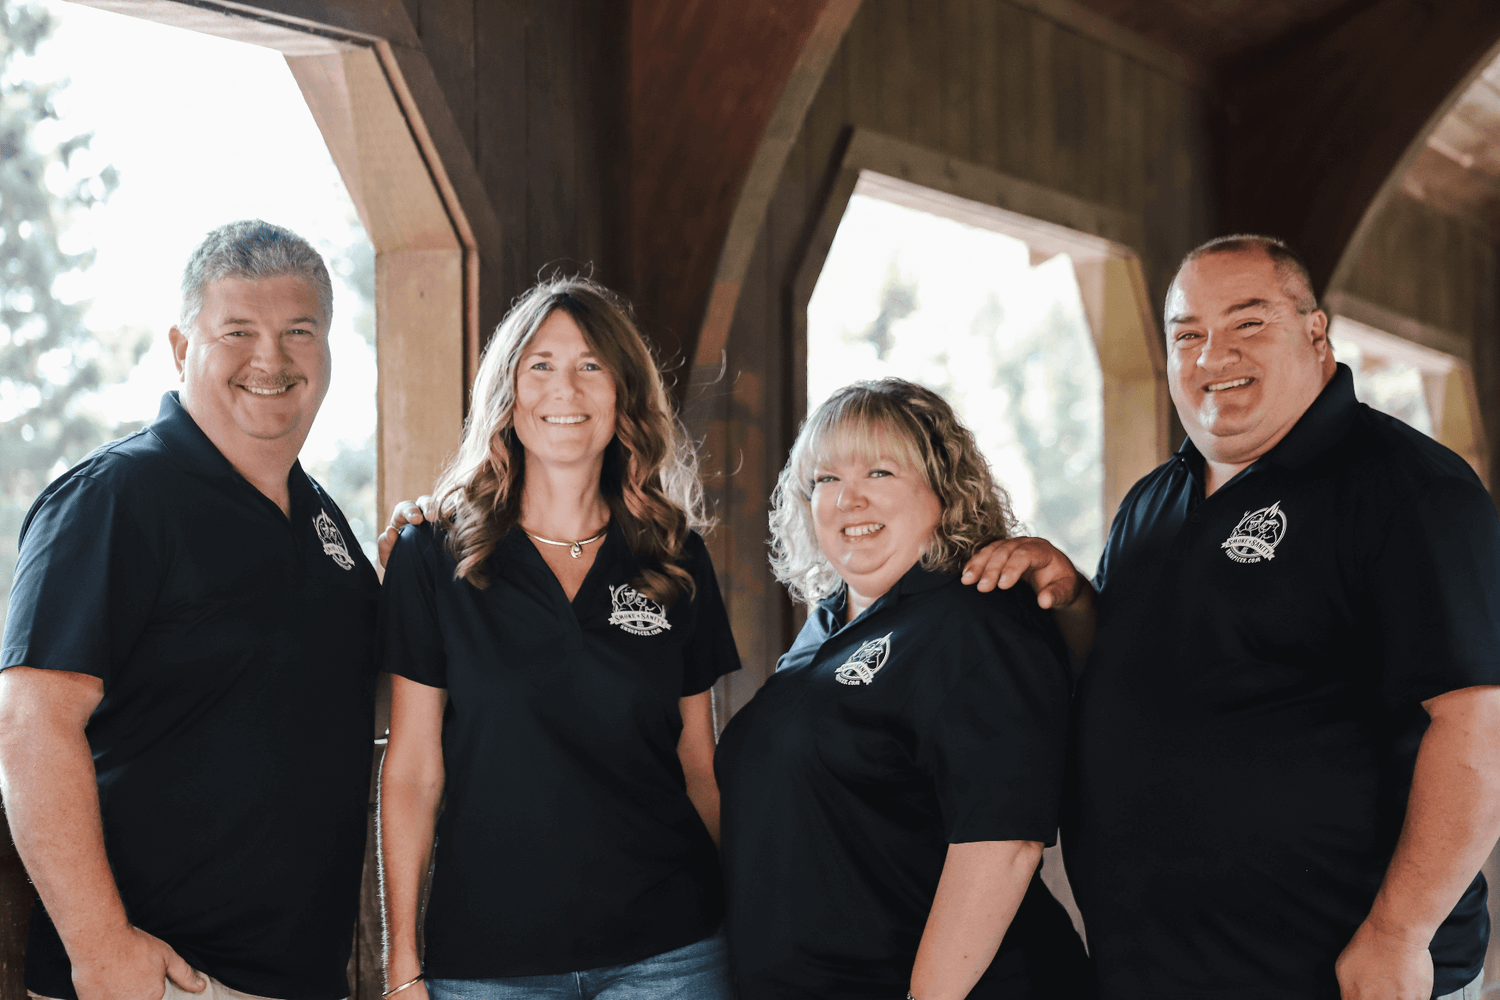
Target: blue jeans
pixel 1469 992
pixel 696 972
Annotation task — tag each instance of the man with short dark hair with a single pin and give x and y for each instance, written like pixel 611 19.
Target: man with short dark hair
pixel 1286 760
pixel 187 686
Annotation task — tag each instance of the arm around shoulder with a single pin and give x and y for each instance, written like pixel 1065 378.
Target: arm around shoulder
pixel 1058 584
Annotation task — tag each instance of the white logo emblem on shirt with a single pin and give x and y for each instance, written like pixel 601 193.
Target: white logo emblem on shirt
pixel 635 612
pixel 333 541
pixel 1257 535
pixel 866 661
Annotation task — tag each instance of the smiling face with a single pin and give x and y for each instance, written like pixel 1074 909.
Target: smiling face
pixel 873 515
pixel 255 365
pixel 1243 364
pixel 565 398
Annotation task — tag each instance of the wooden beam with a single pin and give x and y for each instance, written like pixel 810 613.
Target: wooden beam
pixel 759 185
pixel 1092 24
pixel 717 95
pixel 1313 134
pixel 424 318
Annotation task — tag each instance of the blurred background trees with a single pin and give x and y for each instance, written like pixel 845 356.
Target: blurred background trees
pixel 50 362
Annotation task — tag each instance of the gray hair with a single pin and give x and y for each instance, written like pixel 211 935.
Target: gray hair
pixel 1290 267
pixel 252 250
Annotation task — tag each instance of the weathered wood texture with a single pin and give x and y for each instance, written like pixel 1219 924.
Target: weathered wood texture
pixel 988 81
pixel 1211 31
pixel 1439 271
pixel 537 93
pixel 1314 130
pixel 705 77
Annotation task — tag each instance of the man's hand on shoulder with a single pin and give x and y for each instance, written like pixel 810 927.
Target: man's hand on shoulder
pixel 1037 561
pixel 1381 966
pixel 406 512
pixel 131 965
pixel 1058 584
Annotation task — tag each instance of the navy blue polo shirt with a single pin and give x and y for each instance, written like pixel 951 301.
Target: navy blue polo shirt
pixel 567 840
pixel 1248 720
pixel 938 716
pixel 233 742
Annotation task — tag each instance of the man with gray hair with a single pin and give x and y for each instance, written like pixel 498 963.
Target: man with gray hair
pixel 186 685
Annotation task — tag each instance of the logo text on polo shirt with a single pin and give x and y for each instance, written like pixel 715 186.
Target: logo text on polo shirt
pixel 1257 535
pixel 866 661
pixel 635 612
pixel 333 541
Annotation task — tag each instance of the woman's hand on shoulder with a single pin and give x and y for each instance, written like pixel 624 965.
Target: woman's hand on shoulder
pixel 406 512
pixel 1003 564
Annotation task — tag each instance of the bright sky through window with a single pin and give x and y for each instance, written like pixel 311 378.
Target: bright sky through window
pixel 202 131
pixel 961 310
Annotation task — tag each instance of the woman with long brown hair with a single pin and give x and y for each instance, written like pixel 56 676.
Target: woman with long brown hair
pixel 552 639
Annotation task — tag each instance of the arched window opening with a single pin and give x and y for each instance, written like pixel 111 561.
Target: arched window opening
pixel 1431 390
pixel 992 310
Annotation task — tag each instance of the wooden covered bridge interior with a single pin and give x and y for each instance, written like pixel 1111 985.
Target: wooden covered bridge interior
pixel 697 155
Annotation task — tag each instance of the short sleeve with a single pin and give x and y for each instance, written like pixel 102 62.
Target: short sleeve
pixel 85 583
pixel 995 747
pixel 1434 593
pixel 410 641
pixel 709 652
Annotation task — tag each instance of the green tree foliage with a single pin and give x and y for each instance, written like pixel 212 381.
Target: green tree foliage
pixel 50 362
pixel 898 300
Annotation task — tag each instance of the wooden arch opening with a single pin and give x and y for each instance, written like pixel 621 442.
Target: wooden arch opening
pixel 1419 275
pixel 375 103
pixel 1100 241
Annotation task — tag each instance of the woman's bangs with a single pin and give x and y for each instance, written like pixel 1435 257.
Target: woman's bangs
pixel 863 437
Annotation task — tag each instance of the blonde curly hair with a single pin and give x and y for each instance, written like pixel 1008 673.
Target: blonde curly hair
pixel 902 421
pixel 650 475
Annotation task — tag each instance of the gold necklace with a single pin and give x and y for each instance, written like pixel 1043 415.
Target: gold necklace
pixel 575 549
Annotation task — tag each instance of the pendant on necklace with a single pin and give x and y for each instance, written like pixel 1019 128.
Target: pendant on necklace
pixel 576 550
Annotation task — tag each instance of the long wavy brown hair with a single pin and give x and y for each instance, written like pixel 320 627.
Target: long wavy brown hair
pixel 894 419
pixel 650 476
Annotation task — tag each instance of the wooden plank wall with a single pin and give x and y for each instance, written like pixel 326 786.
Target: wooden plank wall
pixel 538 90
pixel 1441 271
pixel 988 81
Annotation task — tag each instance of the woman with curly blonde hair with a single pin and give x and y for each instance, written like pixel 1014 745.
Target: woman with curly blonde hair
pixel 888 792
pixel 553 633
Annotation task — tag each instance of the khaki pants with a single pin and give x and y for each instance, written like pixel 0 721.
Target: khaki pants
pixel 214 991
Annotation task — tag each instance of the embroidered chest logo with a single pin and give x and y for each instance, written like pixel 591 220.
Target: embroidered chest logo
pixel 866 661
pixel 635 612
pixel 1257 535
pixel 333 542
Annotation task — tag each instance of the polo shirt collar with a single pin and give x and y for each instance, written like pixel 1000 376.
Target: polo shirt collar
pixel 191 448
pixel 180 433
pixel 913 581
pixel 1319 428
